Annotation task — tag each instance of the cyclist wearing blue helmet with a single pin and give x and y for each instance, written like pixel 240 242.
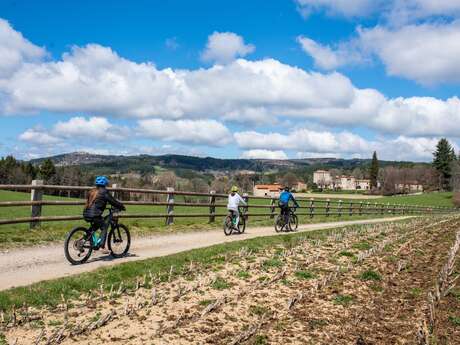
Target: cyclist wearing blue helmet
pixel 96 202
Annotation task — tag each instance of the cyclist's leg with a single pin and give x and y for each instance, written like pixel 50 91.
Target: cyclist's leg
pixel 237 217
pixel 104 225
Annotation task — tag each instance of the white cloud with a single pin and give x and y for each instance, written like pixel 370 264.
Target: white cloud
pixel 95 80
pixel 304 140
pixel 38 136
pixel 312 144
pixel 427 53
pixel 328 58
pixel 347 8
pixel 264 154
pixel 224 47
pixel 197 132
pixel 93 128
pixel 15 50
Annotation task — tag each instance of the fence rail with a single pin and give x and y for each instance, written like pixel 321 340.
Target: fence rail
pixel 308 206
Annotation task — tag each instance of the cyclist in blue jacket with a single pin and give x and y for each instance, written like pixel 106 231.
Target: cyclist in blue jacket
pixel 283 202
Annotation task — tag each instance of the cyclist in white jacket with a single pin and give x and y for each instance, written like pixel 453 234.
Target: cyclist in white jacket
pixel 234 200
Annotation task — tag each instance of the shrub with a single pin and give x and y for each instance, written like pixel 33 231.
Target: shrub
pixel 370 275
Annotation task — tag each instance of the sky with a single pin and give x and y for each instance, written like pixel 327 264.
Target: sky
pixel 230 79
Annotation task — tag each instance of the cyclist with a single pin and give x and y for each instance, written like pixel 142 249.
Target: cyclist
pixel 234 200
pixel 96 203
pixel 283 202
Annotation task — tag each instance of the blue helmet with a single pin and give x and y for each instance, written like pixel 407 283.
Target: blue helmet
pixel 101 181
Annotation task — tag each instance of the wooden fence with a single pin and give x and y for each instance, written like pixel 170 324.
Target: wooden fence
pixel 308 207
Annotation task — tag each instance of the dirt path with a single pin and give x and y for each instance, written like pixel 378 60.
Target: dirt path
pixel 22 267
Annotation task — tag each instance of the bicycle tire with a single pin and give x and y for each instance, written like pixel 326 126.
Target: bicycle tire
pixel 279 223
pixel 228 225
pixel 67 243
pixel 242 224
pixel 112 236
pixel 293 222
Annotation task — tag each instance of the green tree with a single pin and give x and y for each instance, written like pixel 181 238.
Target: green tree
pixel 443 158
pixel 374 170
pixel 47 170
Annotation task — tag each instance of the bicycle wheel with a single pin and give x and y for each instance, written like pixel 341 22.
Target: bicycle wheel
pixel 293 222
pixel 228 225
pixel 119 241
pixel 241 225
pixel 279 223
pixel 78 246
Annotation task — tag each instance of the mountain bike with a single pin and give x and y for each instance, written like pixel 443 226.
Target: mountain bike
pixel 230 222
pixel 289 222
pixel 80 241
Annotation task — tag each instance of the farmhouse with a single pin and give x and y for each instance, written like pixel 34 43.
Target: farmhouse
pixel 271 190
pixel 324 180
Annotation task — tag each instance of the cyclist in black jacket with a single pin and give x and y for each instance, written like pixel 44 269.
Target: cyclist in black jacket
pixel 96 202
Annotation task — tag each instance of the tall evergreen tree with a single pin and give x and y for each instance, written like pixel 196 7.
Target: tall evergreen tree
pixel 443 158
pixel 374 170
pixel 47 170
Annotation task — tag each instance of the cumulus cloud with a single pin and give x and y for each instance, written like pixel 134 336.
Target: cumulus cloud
pixel 224 47
pixel 95 80
pixel 198 132
pixel 15 50
pixel 426 53
pixel 328 58
pixel 311 144
pixel 264 154
pixel 96 129
pixel 304 140
pixel 38 136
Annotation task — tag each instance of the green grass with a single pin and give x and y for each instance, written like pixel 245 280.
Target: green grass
pixel 220 284
pixel 370 275
pixel 455 320
pixel 346 254
pixel 48 293
pixel 425 199
pixel 20 235
pixel 305 275
pixel 343 299
pixel 243 274
pixel 362 245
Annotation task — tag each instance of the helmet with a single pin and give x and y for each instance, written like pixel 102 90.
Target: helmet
pixel 101 181
pixel 235 189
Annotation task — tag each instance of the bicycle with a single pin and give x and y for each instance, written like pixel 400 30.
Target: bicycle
pixel 84 240
pixel 289 222
pixel 229 222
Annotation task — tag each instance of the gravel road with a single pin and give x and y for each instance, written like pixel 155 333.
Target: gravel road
pixel 20 267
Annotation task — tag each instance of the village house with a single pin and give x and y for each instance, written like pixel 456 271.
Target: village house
pixel 271 190
pixel 324 180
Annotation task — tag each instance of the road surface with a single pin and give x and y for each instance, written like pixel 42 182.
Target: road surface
pixel 20 267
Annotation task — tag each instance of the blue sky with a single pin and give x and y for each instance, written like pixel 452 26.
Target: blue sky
pixel 255 79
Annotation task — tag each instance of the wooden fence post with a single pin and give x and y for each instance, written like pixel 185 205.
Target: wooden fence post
pixel 382 209
pixel 367 207
pixel 36 195
pixel 212 208
pixel 273 208
pixel 328 204
pixel 114 193
pixel 350 211
pixel 360 208
pixel 246 198
pixel 339 208
pixel 170 206
pixel 312 207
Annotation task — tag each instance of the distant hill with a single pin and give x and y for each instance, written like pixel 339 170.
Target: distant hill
pixel 110 164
